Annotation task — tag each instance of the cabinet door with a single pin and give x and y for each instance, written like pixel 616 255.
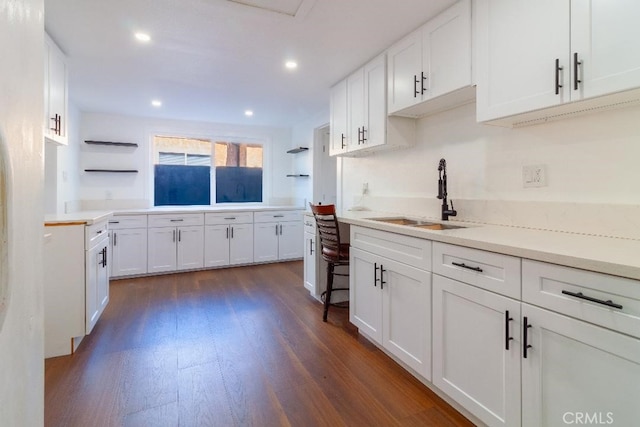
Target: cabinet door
pixel 365 296
pixel 605 36
pixel 241 244
pixel 161 249
pixel 406 314
pixel 338 118
pixel 265 241
pixel 471 363
pixel 404 68
pixel 129 252
pixel 94 261
pixel 190 247
pixel 516 56
pixel 216 245
pixel 375 102
pixel 576 370
pixel 310 262
pixel 355 109
pixel 103 281
pixel 446 51
pixel 290 240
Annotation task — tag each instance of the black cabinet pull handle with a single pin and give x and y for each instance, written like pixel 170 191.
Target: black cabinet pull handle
pixel 342 140
pixel 281 229
pixel 375 274
pixel 580 295
pixel 105 256
pixel 174 235
pixel 576 64
pixel 463 265
pixel 177 220
pixel 415 86
pixel 227 233
pixel 423 79
pixel 382 282
pixel 558 69
pixel 507 338
pixel 114 222
pixel 310 247
pixel 179 235
pixel 525 336
pixel 276 229
pixel 363 138
pixel 232 232
pixel 230 218
pixel 115 238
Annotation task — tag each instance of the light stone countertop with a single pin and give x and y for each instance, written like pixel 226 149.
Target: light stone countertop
pixel 86 217
pixel 619 257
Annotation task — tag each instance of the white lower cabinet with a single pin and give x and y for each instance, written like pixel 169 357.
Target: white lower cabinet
pixel 97 283
pixel 277 236
pixel 128 245
pixel 476 350
pixel 175 242
pixel 310 257
pixel 390 302
pixel 228 245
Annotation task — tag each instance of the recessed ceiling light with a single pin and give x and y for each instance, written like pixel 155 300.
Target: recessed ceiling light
pixel 291 65
pixel 143 37
pixel 248 113
pixel 156 103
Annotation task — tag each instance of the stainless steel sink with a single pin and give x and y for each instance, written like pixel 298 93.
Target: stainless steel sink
pixel 416 223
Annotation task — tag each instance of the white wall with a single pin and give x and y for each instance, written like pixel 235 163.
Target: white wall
pixel 21 208
pixel 127 190
pixel 591 159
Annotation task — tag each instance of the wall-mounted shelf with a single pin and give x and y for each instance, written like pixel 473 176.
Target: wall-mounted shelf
pixel 298 176
pixel 113 170
pixel 119 144
pixel 298 150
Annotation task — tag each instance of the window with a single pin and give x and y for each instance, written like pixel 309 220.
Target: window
pixel 182 168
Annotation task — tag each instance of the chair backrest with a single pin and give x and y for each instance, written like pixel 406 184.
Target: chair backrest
pixel 328 230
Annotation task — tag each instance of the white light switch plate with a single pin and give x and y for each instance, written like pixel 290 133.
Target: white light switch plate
pixel 534 176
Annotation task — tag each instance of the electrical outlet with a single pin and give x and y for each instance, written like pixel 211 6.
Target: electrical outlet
pixel 365 188
pixel 534 176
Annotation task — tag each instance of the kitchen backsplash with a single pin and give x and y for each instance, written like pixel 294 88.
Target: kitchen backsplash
pixel 619 221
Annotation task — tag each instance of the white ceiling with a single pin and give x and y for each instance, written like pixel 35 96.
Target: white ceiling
pixel 209 60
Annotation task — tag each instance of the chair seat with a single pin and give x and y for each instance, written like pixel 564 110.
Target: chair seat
pixel 332 255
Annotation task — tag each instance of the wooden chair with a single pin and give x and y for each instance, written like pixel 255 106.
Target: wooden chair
pixel 336 254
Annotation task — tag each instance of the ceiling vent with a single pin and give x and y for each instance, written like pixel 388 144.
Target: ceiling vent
pixel 292 8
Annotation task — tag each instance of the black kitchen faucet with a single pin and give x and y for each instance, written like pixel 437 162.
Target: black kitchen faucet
pixel 442 191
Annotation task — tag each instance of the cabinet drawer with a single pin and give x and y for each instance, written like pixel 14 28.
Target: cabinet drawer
pixel 309 224
pixel 221 218
pixel 277 216
pixel 95 232
pixel 175 220
pixel 121 222
pixel 488 270
pixel 609 301
pixel 405 249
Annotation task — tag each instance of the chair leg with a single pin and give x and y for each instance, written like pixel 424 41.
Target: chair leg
pixel 327 299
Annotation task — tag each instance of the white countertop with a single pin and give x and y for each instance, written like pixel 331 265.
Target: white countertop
pixel 90 217
pixel 619 257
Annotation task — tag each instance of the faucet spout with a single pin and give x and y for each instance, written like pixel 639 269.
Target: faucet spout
pixel 442 191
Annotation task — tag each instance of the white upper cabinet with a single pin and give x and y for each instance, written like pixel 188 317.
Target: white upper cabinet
pixel 55 93
pixel 432 61
pixel 529 72
pixel 363 126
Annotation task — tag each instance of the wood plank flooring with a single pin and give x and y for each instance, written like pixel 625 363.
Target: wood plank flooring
pixel 231 347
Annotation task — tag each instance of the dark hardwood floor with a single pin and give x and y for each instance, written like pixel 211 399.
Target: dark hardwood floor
pixel 238 346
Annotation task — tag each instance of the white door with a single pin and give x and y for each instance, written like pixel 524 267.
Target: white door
pixel 355 109
pixel 405 67
pixel 365 296
pixel 190 247
pixel 129 252
pixel 216 245
pixel 310 262
pixel 519 42
pixel 290 240
pixel 265 241
pixel 241 244
pixel 97 279
pixel 161 249
pixel 375 102
pixel 575 370
pixel 406 314
pixel 446 44
pixel 471 362
pixel 338 118
pixel 604 35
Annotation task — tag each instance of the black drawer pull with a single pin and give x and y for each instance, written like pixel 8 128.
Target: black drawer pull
pixel 580 295
pixel 232 217
pixel 463 265
pixel 525 337
pixel 114 222
pixel 507 336
pixel 177 220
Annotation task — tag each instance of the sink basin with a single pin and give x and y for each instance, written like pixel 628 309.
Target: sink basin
pixel 416 223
